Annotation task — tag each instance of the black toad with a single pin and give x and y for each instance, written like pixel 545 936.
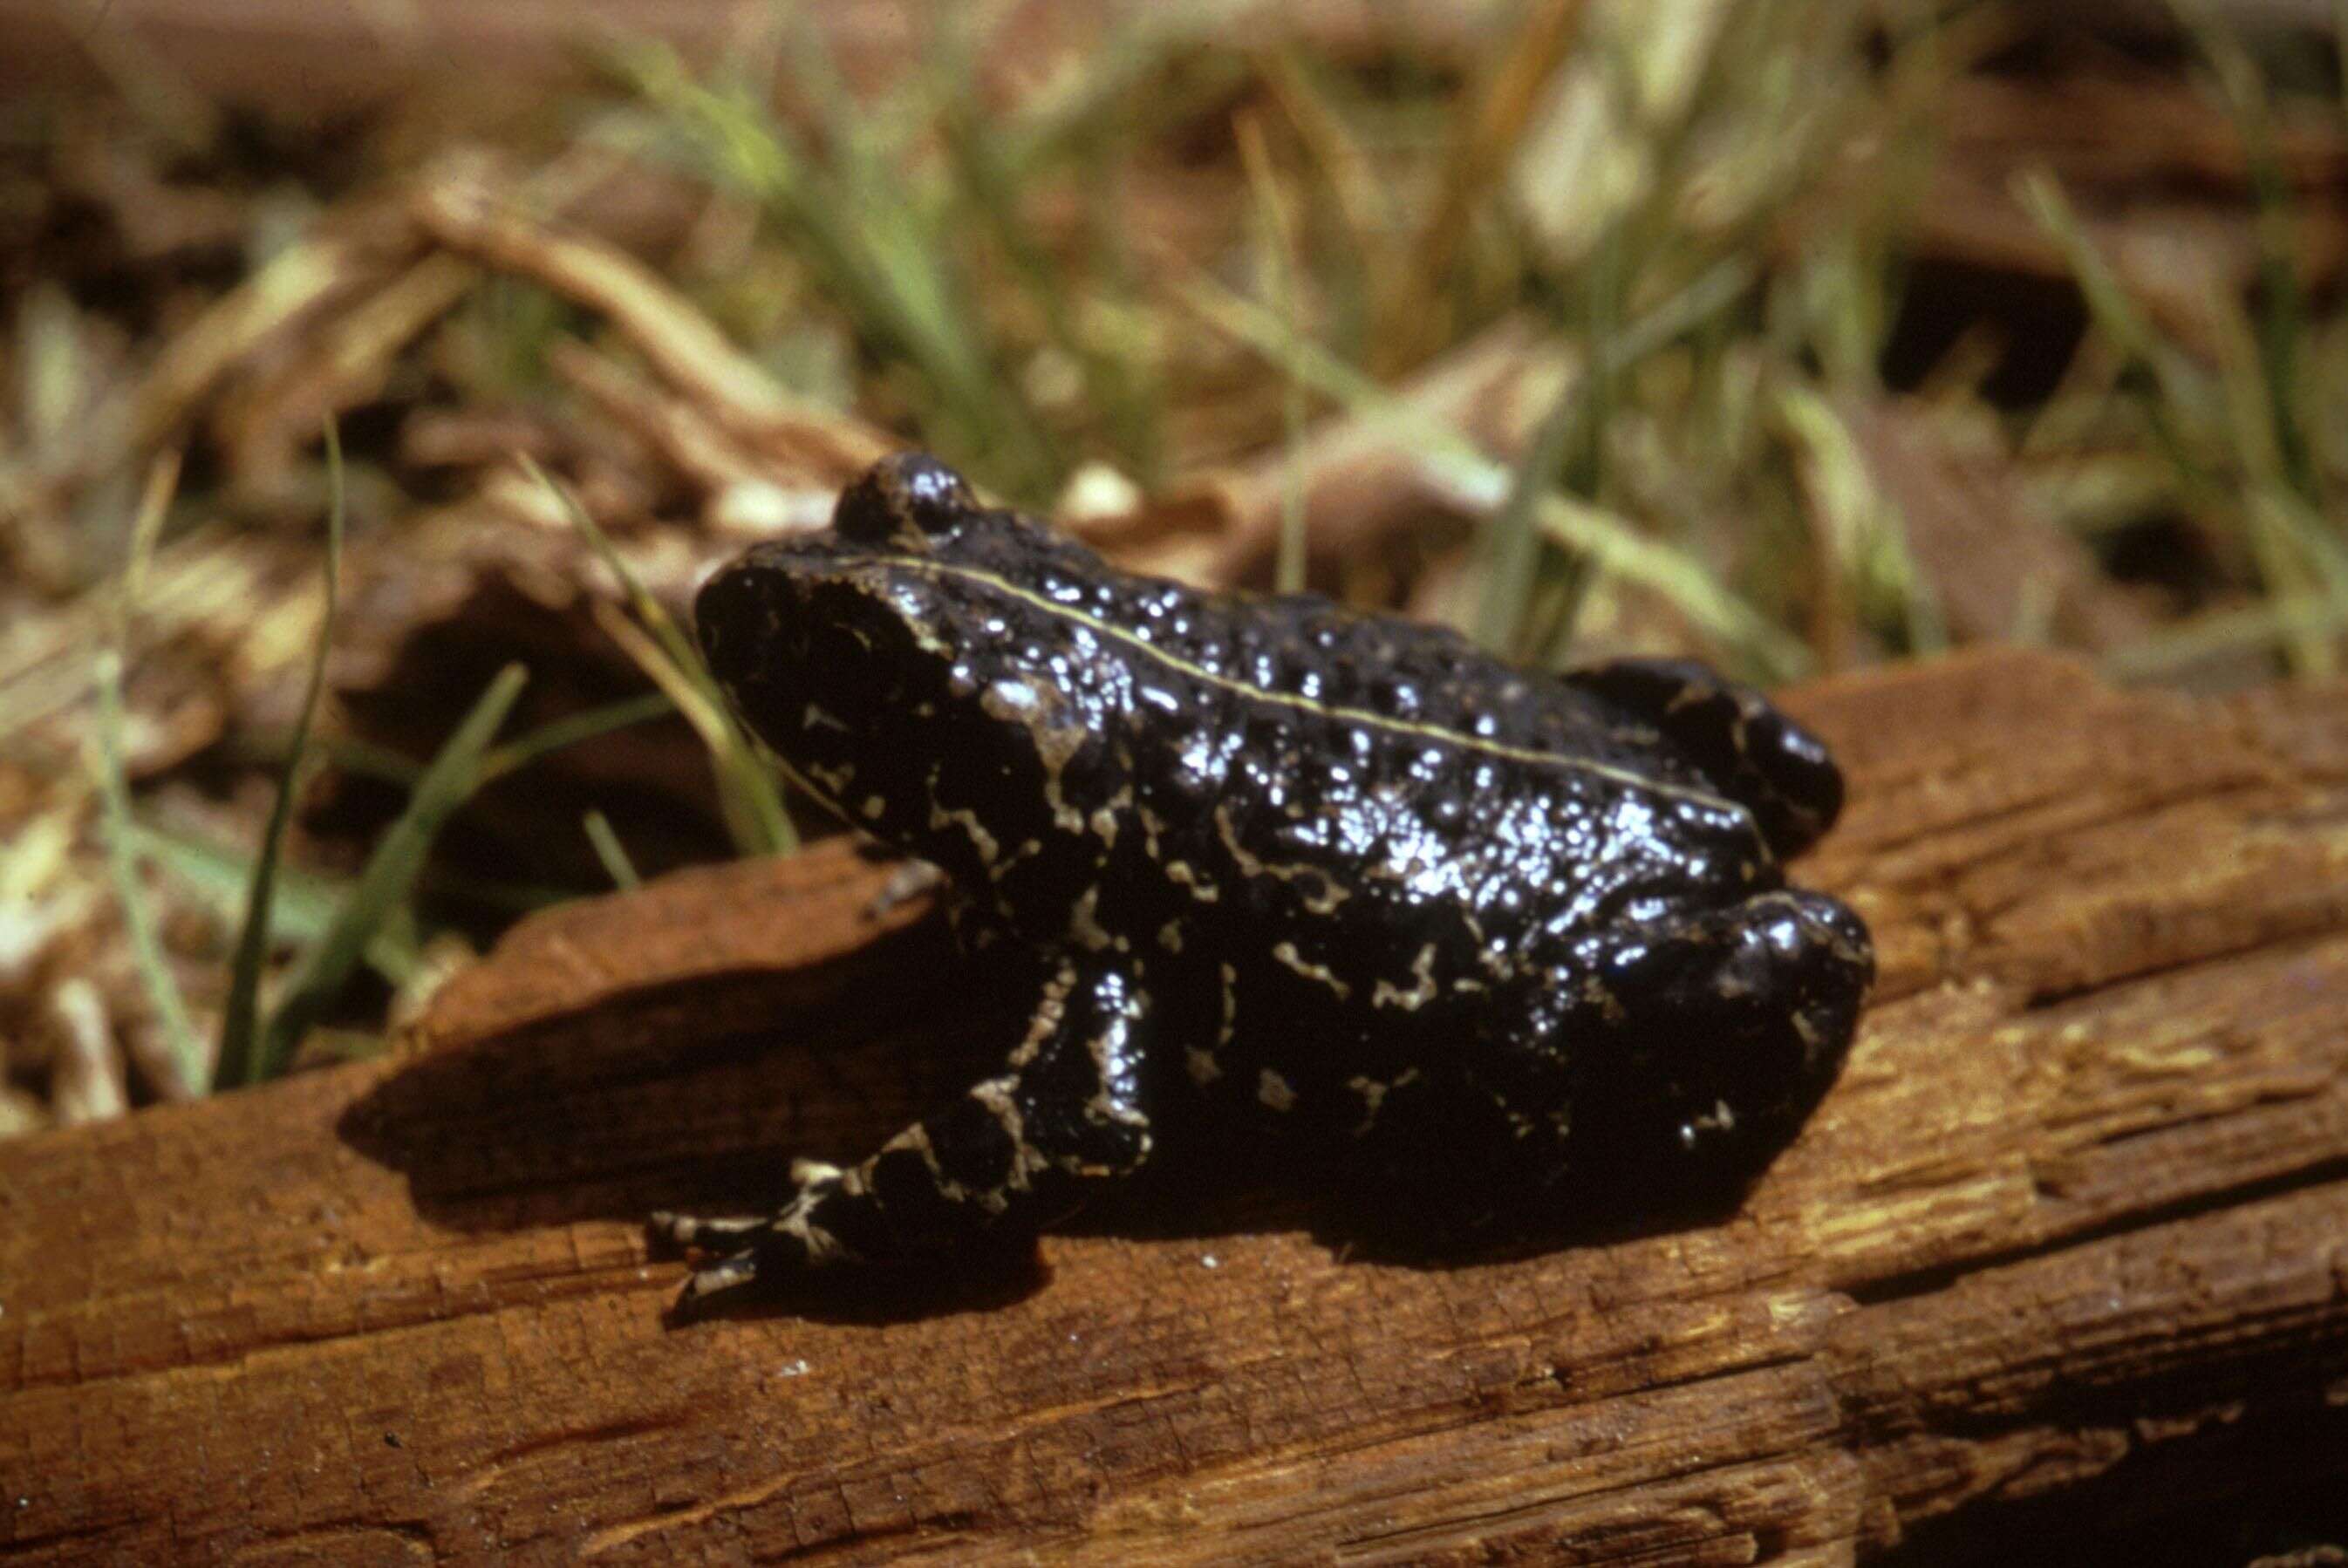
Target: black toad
pixel 1487 934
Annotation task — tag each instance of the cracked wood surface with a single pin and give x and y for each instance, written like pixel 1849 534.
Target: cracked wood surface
pixel 2067 1246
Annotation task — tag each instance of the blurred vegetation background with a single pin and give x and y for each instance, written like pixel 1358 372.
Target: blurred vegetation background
pixel 371 398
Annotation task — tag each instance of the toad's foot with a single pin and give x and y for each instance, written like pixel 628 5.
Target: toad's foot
pixel 1656 1064
pixel 1016 1151
pixel 1716 1035
pixel 733 1251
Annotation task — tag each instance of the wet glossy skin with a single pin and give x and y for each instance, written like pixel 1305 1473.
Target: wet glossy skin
pixel 1486 937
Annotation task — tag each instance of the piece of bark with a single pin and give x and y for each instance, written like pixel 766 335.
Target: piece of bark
pixel 2067 1248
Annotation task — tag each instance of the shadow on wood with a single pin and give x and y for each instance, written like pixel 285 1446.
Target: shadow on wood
pixel 2067 1247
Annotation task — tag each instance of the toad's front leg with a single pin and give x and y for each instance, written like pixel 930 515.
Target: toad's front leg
pixel 1017 1150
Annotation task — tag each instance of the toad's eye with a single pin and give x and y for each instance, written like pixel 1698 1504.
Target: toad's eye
pixel 906 499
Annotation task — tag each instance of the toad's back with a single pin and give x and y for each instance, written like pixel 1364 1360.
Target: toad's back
pixel 1355 786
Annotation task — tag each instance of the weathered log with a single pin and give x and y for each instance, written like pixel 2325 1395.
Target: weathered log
pixel 2067 1247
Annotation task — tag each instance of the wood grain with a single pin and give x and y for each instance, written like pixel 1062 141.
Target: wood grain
pixel 2067 1248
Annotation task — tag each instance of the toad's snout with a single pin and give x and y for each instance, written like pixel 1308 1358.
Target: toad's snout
pixel 752 623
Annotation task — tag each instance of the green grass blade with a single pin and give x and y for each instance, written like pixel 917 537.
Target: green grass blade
pixel 893 261
pixel 353 755
pixel 240 1040
pixel 300 911
pixel 1454 464
pixel 574 729
pixel 390 873
pixel 612 852
pixel 2284 317
pixel 220 875
pixel 1613 545
pixel 2264 628
pixel 155 974
pixel 989 181
pixel 2187 405
pixel 752 800
pixel 1852 508
pixel 648 609
pixel 1276 251
pixel 382 763
pixel 1508 545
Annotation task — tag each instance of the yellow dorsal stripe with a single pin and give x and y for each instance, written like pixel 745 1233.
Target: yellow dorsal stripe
pixel 1364 716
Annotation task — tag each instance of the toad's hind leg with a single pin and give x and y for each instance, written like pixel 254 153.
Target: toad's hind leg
pixel 1775 767
pixel 1694 1047
pixel 1015 1151
pixel 1641 1066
